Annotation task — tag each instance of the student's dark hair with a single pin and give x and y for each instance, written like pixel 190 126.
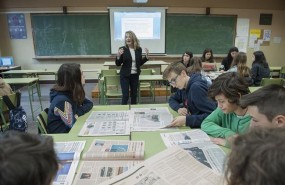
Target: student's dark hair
pixel 69 79
pixel 270 100
pixel 232 49
pixel 260 58
pixel 27 159
pixel 257 157
pixel 188 53
pixel 176 67
pixel 195 65
pixel 211 59
pixel 231 85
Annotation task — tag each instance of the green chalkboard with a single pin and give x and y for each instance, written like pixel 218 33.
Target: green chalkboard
pixel 197 32
pixel 71 34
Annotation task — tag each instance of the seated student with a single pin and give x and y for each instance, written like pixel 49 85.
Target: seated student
pixel 266 106
pixel 27 159
pixel 196 67
pixel 190 100
pixel 257 157
pixel 260 68
pixel 208 62
pixel 67 98
pixel 5 89
pixel 229 118
pixel 227 61
pixel 239 65
pixel 186 57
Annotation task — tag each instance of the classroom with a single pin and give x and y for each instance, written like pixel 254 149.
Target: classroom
pixel 30 51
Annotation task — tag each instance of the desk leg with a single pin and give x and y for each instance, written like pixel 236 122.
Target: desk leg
pixel 31 98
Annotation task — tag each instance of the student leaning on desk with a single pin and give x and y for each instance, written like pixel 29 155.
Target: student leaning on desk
pixel 190 100
pixel 67 99
pixel 266 106
pixel 229 119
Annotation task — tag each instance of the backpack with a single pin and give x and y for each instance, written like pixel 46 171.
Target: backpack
pixel 17 115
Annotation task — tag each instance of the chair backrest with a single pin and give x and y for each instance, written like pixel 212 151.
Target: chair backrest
pixel 146 71
pixel 13 98
pixel 268 81
pixel 112 85
pixel 4 108
pixel 42 121
pixel 282 72
pixel 108 72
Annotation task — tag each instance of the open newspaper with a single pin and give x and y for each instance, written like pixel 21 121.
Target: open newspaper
pixel 171 166
pixel 68 154
pixel 199 145
pixel 150 119
pixel 102 123
pixel 108 158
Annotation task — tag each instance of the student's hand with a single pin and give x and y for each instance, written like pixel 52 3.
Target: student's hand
pixel 178 121
pixel 120 52
pixel 76 116
pixel 182 111
pixel 146 52
pixel 219 141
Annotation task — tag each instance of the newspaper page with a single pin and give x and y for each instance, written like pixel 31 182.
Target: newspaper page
pixel 115 149
pixel 176 138
pixel 171 166
pixel 150 119
pixel 199 145
pixel 103 123
pixel 68 154
pixel 95 172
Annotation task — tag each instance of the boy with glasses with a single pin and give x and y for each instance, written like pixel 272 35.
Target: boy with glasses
pixel 190 100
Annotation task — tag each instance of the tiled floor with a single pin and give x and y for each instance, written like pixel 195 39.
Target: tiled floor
pixel 45 89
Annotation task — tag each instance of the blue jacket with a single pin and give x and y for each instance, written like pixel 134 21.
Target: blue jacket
pixel 58 123
pixel 195 99
pixel 258 71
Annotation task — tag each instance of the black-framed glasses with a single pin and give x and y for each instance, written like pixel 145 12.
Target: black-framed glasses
pixel 173 80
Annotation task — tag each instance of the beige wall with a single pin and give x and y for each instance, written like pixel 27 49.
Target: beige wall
pixel 23 49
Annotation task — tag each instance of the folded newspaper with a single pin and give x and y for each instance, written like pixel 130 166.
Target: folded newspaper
pixel 68 154
pixel 199 145
pixel 171 166
pixel 108 158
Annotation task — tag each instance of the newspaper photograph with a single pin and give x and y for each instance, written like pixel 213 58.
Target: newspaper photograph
pixel 95 172
pixel 150 119
pixel 115 150
pixel 68 154
pixel 171 166
pixel 199 145
pixel 103 123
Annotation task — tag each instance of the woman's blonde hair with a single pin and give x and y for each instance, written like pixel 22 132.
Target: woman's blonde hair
pixel 134 38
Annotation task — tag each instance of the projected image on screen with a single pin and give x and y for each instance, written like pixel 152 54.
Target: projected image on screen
pixel 146 25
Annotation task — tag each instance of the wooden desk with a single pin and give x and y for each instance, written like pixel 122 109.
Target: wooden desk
pixel 30 83
pixel 153 64
pixel 30 73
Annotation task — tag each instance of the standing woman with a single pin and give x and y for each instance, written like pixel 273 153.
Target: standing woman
pixel 227 61
pixel 260 68
pixel 186 57
pixel 67 99
pixel 130 57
